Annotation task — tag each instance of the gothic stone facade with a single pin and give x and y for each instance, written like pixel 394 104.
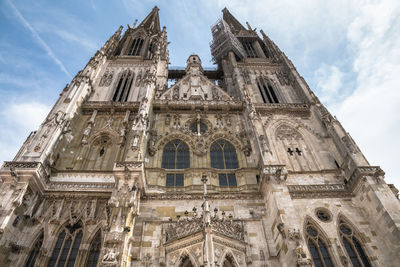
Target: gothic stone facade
pixel 240 165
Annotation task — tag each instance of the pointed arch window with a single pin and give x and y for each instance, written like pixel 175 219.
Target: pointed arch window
pixel 67 246
pixel 136 46
pixel 94 251
pixel 185 262
pixel 175 156
pixel 267 93
pixel 223 156
pixel 229 262
pixel 249 48
pixel 318 248
pixel 353 246
pixel 123 88
pixel 35 251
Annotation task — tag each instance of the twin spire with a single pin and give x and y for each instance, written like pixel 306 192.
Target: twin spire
pixel 152 21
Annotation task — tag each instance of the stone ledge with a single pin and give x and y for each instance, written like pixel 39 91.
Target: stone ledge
pixel 319 191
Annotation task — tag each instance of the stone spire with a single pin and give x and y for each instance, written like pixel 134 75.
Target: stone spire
pixel 152 21
pixel 233 23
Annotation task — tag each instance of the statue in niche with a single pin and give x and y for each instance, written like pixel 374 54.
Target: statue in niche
pixel 177 121
pixel 139 79
pixel 215 94
pixel 167 119
pixel 135 141
pixel 175 93
pixel 219 123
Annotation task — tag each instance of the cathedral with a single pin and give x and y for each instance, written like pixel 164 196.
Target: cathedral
pixel 140 164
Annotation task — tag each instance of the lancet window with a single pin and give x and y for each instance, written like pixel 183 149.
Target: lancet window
pixel 35 251
pixel 94 251
pixel 223 156
pixel 267 93
pixel 318 248
pixel 123 88
pixel 352 245
pixel 67 246
pixel 175 156
pixel 136 46
pixel 250 51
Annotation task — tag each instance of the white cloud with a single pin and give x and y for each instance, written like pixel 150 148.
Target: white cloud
pixel 372 112
pixel 26 115
pixel 329 83
pixel 18 120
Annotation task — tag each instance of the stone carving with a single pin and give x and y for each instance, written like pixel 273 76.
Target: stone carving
pixel 215 94
pixel 189 226
pixel 175 93
pixel 88 129
pixel 294 234
pixel 167 120
pixel 264 143
pixel 288 133
pixel 177 121
pixel 138 79
pixel 110 257
pixel 318 191
pixel 107 78
pixel 152 142
pixel 349 143
pixel 30 201
pixel 279 172
pixel 301 257
pixel 281 229
pixel 219 122
pixel 284 77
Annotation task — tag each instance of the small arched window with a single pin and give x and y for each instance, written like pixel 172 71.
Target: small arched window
pixel 175 156
pixel 136 46
pixel 35 251
pixel 318 249
pixel 352 245
pixel 94 251
pixel 67 246
pixel 223 156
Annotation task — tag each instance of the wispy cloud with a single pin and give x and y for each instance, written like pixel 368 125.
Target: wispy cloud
pixel 39 39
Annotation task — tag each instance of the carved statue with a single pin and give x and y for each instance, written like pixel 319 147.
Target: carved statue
pixel 110 255
pixel 106 79
pixel 175 93
pixel 215 94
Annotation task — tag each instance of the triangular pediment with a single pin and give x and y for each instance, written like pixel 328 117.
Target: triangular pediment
pixel 195 87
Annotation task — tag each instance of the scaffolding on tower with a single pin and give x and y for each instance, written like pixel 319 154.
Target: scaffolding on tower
pixel 224 41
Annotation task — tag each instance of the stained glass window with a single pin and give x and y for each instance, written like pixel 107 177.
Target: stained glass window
pixel 67 246
pixel 223 156
pixel 318 249
pixel 94 251
pixel 175 156
pixel 353 246
pixel 35 251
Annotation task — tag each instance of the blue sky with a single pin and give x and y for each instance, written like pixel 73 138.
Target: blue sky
pixel 348 52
